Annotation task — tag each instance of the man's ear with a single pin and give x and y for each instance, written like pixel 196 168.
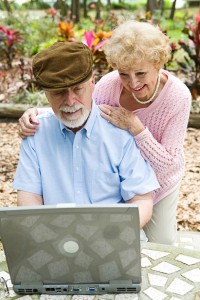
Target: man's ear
pixel 92 79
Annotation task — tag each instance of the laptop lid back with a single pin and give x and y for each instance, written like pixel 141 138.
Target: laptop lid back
pixel 84 249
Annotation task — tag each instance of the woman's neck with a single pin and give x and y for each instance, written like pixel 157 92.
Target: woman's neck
pixel 127 101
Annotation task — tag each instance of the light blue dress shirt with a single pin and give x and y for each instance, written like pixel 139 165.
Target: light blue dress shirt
pixel 99 164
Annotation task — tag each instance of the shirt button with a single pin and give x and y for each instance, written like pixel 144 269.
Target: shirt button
pixel 77 146
pixel 77 168
pixel 78 192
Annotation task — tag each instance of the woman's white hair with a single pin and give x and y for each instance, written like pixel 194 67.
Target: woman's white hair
pixel 133 42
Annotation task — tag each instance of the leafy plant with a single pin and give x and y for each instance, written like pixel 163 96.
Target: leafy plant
pixel 35 30
pixel 95 41
pixel 9 38
pixel 191 61
pixel 66 31
pixel 35 99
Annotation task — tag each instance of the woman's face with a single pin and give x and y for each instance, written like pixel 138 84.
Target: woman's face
pixel 140 80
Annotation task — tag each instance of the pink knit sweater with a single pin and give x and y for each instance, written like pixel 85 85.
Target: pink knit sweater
pixel 166 119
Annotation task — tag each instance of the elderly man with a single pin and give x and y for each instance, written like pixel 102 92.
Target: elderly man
pixel 76 155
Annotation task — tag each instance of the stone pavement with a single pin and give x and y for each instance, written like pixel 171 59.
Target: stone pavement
pixel 188 240
pixel 168 272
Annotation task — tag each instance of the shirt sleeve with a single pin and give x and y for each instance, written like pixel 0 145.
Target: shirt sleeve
pixel 28 177
pixel 136 175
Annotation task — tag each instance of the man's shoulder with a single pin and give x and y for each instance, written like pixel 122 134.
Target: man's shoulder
pixel 47 115
pixel 113 131
pixel 47 120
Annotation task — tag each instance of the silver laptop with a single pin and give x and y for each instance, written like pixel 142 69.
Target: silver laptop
pixel 72 250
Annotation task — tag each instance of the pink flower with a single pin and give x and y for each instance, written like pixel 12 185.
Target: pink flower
pixel 10 35
pixel 52 11
pixel 89 38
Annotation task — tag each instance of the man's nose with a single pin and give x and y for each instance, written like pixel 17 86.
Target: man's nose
pixel 69 97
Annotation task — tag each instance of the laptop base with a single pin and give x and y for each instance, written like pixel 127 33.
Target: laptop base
pixel 77 289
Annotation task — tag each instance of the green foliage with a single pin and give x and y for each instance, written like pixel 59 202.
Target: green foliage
pixel 62 6
pixel 127 6
pixel 191 46
pixel 13 5
pixel 34 99
pixel 35 5
pixel 35 31
pixel 9 39
pixel 185 37
pixel 41 31
pixel 167 4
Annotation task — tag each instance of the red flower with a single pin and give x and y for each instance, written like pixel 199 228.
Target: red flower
pixel 51 11
pixel 11 36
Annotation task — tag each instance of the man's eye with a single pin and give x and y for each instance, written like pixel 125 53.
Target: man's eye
pixel 77 89
pixel 57 94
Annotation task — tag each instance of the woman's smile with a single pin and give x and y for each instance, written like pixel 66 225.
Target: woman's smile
pixel 138 89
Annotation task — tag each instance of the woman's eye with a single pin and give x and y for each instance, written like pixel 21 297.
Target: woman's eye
pixel 141 74
pixel 123 74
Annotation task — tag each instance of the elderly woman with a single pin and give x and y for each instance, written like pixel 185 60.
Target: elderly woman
pixel 153 105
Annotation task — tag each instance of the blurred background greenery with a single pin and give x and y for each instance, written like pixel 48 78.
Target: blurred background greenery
pixel 27 27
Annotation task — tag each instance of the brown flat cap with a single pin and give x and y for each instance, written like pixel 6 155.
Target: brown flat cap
pixel 62 65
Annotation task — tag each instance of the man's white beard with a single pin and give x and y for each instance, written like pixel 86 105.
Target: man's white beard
pixel 73 121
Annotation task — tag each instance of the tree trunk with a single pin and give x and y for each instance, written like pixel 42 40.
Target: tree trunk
pixel 161 3
pixel 173 8
pixel 7 6
pixel 75 11
pixel 15 111
pixel 151 6
pixel 85 15
pixel 12 110
pixel 108 5
pixel 98 12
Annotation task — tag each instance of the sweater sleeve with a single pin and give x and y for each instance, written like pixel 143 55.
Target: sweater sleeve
pixel 166 154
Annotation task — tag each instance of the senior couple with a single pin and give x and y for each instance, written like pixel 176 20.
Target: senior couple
pixel 79 155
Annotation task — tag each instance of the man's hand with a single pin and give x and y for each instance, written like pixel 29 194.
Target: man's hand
pixel 145 205
pixel 28 123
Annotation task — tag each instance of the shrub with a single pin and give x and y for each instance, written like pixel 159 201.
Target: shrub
pixel 191 46
pixel 9 38
pixel 36 5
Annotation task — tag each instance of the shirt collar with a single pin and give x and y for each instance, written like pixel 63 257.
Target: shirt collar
pixel 89 124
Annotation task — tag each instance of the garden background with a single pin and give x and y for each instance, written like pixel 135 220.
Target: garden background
pixel 34 25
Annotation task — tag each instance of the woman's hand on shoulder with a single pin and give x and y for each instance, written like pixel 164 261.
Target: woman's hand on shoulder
pixel 122 118
pixel 28 123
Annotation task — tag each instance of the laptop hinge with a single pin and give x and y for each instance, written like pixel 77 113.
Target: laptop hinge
pixel 120 282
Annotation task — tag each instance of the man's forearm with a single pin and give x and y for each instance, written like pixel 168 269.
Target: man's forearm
pixel 145 206
pixel 28 199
